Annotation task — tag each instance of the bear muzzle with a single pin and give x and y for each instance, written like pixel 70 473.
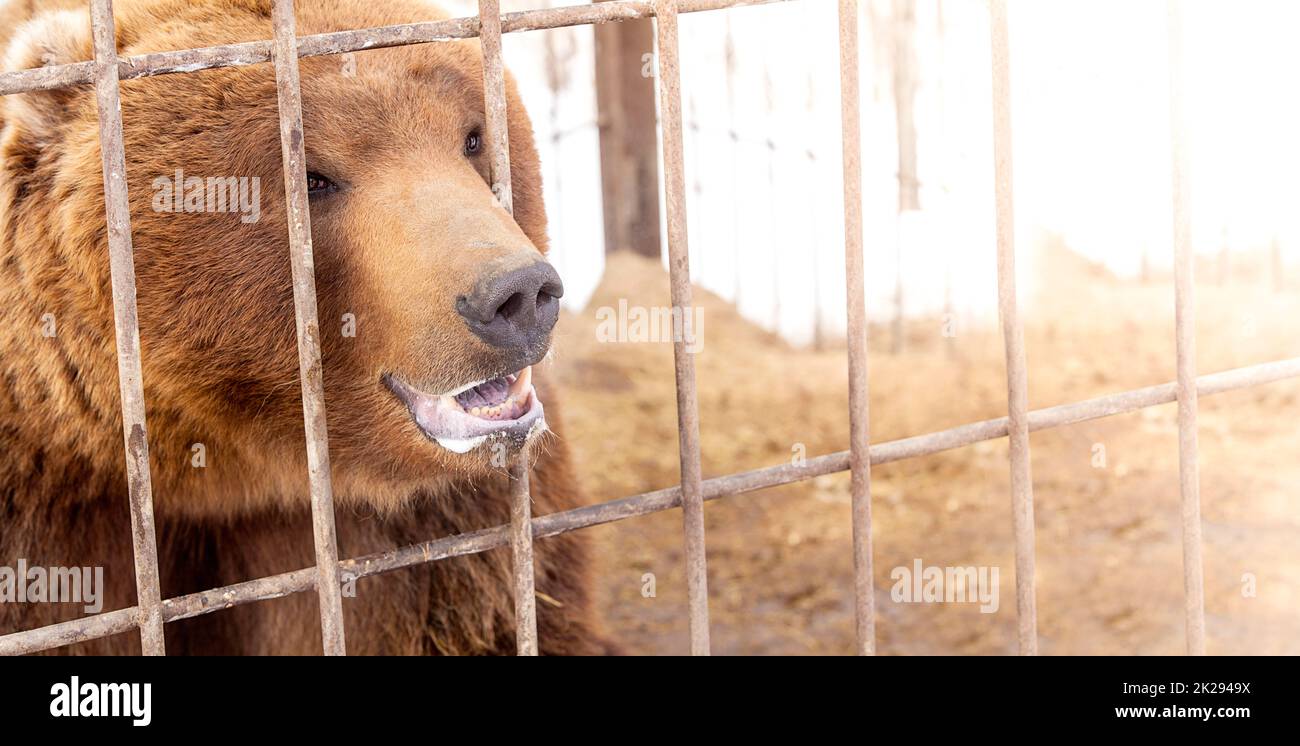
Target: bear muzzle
pixel 511 307
pixel 505 409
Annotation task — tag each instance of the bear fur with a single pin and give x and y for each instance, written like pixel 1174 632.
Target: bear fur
pixel 413 224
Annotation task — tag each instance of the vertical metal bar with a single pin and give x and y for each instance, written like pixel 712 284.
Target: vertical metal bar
pixel 130 381
pixel 859 418
pixel 521 552
pixel 304 303
pixel 688 414
pixel 1013 335
pixel 498 145
pixel 494 95
pixel 1185 334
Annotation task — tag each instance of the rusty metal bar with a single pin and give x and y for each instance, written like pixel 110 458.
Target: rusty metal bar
pixel 497 134
pixel 521 553
pixel 298 581
pixel 54 76
pixel 497 140
pixel 688 412
pixel 1013 335
pixel 309 355
pixel 1185 336
pixel 859 409
pixel 340 42
pixel 130 380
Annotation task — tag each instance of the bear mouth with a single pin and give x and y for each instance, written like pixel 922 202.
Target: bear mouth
pixel 502 408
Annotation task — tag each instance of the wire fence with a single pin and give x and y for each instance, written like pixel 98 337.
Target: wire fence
pixel 152 612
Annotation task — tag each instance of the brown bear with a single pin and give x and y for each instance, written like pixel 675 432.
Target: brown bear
pixel 436 309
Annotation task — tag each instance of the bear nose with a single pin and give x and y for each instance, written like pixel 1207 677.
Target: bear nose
pixel 514 309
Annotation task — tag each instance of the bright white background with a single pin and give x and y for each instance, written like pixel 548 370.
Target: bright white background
pixel 1090 128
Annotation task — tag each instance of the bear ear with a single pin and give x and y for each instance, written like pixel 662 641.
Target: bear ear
pixel 54 38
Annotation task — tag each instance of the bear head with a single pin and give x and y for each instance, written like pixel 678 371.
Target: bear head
pixel 434 302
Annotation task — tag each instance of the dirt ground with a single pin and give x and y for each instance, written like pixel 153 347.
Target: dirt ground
pixel 1109 572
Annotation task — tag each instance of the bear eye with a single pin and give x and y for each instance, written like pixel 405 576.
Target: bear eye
pixel 473 143
pixel 318 185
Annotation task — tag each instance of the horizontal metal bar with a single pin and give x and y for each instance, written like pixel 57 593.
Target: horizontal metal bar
pixel 276 586
pixel 340 42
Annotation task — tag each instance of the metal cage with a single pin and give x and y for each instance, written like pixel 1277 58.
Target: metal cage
pixel 152 612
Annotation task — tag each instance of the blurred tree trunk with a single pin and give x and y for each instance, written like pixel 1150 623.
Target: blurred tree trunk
pixel 629 150
pixel 905 85
pixel 1224 261
pixel 819 321
pixel 1279 278
pixel 733 133
pixel 941 68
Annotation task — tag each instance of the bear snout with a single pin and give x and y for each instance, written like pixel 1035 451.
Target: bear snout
pixel 514 310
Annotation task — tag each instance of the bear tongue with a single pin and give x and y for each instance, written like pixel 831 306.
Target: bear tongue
pixel 493 393
pixel 486 394
pixel 501 398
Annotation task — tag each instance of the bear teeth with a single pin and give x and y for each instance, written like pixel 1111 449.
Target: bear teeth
pixel 514 406
pixel 460 422
pixel 504 398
